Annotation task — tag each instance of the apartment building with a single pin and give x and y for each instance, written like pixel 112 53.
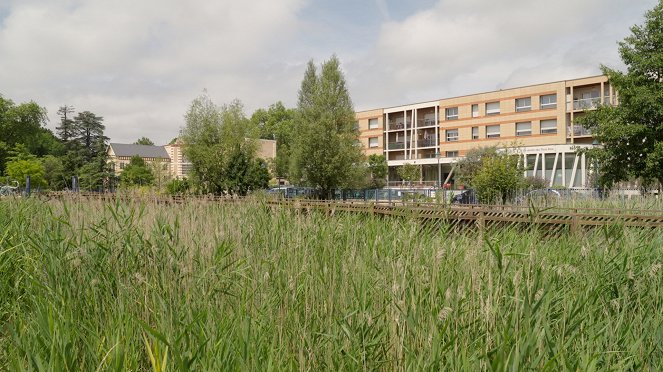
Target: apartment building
pixel 536 122
pixel 180 166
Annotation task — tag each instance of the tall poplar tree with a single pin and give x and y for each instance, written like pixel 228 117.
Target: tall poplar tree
pixel 327 153
pixel 632 132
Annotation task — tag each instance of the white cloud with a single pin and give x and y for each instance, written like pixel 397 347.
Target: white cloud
pixel 460 47
pixel 139 63
pixel 141 60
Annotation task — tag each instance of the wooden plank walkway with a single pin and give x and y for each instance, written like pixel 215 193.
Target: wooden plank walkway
pixel 574 218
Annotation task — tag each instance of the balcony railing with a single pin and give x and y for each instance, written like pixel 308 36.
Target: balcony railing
pixel 589 103
pixel 577 130
pixel 429 142
pixel 396 125
pixel 421 123
pixel 396 145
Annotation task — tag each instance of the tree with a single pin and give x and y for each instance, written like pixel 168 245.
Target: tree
pixel 327 153
pixel 468 167
pixel 220 141
pixel 498 177
pixel 377 169
pixel 244 174
pixel 66 129
pixel 409 172
pixel 96 174
pixel 277 123
pixel 54 173
pixel 160 171
pixel 23 124
pixel 86 150
pixel 144 141
pixel 632 132
pixel 22 164
pixel 178 187
pixel 89 135
pixel 137 173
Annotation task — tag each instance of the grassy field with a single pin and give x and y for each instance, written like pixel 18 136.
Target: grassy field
pixel 202 286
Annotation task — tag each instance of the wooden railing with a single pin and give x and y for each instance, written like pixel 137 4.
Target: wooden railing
pixel 482 214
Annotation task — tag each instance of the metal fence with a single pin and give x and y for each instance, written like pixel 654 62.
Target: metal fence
pixel 468 196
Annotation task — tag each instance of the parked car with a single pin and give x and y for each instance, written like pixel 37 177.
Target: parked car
pixel 465 197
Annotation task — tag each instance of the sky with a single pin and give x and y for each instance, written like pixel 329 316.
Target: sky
pixel 140 63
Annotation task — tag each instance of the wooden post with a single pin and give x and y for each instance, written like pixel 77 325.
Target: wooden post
pixel 574 223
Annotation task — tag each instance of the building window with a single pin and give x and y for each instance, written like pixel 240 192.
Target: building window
pixel 451 154
pixel 355 126
pixel 372 123
pixel 549 101
pixel 451 113
pixel 492 131
pixel 475 133
pixel 523 104
pixel 475 111
pixel 373 142
pixel 524 129
pixel 492 108
pixel 122 165
pixel 452 135
pixel 549 126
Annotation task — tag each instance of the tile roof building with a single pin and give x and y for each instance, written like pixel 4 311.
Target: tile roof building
pixel 171 156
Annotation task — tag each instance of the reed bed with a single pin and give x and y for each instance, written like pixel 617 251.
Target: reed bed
pixel 93 285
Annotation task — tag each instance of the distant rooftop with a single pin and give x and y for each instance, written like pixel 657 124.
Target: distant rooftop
pixel 144 151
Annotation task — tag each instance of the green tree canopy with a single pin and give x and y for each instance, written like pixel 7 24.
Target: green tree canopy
pixel 144 141
pixel 54 173
pixel 219 141
pixel 631 133
pixel 377 169
pixel 409 172
pixel 137 173
pixel 495 175
pixel 277 123
pixel 89 135
pixel 498 177
pixel 178 187
pixel 22 164
pixel 327 153
pixel 468 167
pixel 24 124
pixel 66 130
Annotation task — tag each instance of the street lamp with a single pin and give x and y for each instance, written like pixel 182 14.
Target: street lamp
pixel 438 155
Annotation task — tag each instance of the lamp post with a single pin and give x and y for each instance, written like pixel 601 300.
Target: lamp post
pixel 438 155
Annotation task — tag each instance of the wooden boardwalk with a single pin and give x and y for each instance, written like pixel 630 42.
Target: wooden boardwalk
pixel 491 215
pixel 472 215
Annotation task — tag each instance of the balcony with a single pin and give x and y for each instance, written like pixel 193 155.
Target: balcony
pixel 577 130
pixel 398 125
pixel 430 155
pixel 396 146
pixel 588 103
pixel 429 142
pixel 422 123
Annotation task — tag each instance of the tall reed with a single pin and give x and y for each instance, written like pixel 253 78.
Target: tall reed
pixel 90 285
